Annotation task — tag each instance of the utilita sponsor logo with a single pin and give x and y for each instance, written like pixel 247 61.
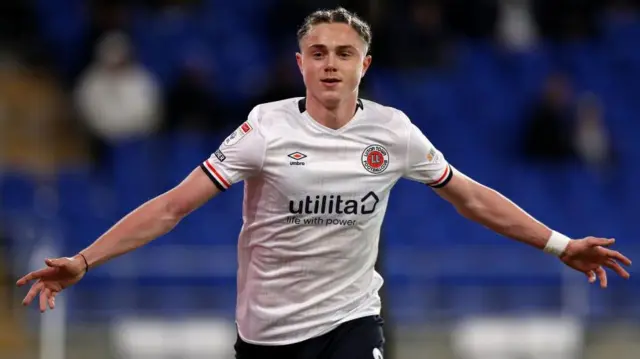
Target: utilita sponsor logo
pixel 334 204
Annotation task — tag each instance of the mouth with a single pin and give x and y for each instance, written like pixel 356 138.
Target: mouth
pixel 330 81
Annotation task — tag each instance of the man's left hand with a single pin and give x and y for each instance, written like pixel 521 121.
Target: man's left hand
pixel 590 255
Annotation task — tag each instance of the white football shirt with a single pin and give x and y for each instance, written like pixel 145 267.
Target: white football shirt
pixel 314 200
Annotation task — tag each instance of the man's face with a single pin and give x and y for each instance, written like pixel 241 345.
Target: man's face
pixel 332 60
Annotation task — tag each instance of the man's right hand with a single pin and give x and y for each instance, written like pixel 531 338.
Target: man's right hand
pixel 59 274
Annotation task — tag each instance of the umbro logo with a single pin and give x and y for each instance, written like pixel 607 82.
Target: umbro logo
pixel 297 158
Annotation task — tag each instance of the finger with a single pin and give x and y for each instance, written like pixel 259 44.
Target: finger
pixel 35 289
pixel 49 295
pixel 610 241
pixel 56 263
pixel 602 275
pixel 42 273
pixel 591 275
pixel 43 300
pixel 594 242
pixel 615 255
pixel 613 265
pixel 52 300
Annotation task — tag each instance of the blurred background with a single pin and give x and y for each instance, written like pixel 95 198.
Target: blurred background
pixel 105 104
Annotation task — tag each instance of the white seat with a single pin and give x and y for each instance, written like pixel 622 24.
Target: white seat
pixel 509 338
pixel 136 338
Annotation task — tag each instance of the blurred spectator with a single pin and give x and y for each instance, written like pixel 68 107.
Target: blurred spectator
pixel 428 30
pixel 517 29
pixel 36 131
pixel 118 98
pixel 592 141
pixel 548 131
pixel 105 16
pixel 191 103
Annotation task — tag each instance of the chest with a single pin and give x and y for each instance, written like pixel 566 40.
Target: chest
pixel 347 165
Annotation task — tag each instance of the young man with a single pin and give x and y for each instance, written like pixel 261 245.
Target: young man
pixel 307 288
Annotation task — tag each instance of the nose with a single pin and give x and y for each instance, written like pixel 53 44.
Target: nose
pixel 330 66
pixel 330 69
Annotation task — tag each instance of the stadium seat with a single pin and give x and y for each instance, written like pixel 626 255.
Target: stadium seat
pixel 501 337
pixel 136 167
pixel 184 151
pixel 191 337
pixel 17 192
pixel 541 298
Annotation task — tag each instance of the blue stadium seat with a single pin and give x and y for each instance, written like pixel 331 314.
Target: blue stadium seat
pixel 466 300
pixel 527 72
pixel 138 166
pixel 599 303
pixel 411 303
pixel 79 194
pixel 414 215
pixel 17 192
pixel 64 26
pixel 618 38
pixel 184 152
pixel 539 298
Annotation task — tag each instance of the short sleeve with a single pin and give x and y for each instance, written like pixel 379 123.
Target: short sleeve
pixel 239 157
pixel 424 162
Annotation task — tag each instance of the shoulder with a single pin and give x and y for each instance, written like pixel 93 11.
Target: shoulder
pixel 394 121
pixel 388 114
pixel 263 114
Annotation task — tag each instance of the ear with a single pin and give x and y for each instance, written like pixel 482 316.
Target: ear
pixel 365 64
pixel 299 61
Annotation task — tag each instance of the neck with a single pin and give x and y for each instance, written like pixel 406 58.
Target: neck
pixel 334 116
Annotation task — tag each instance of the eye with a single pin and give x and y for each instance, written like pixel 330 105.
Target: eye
pixel 317 55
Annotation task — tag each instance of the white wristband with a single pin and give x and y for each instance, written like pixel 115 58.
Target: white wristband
pixel 557 243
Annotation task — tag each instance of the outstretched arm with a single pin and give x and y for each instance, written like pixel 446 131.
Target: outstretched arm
pixel 491 209
pixel 151 220
pixel 494 211
pixel 146 223
pixel 233 162
pixel 240 156
pixel 426 164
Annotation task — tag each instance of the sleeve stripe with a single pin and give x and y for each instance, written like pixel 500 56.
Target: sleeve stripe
pixel 216 175
pixel 213 179
pixel 443 180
